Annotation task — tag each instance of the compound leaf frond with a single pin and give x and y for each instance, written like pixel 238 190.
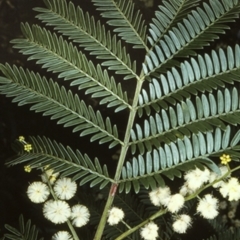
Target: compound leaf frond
pixel 194 32
pixel 51 99
pixel 58 56
pixel 50 154
pixel 84 30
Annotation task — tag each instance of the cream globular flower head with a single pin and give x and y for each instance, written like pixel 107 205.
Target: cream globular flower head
pixel 38 192
pixel 196 178
pixel 149 231
pixel 65 188
pixel 225 159
pixel 80 215
pixel 231 189
pixel 56 211
pixel 207 207
pixel 182 223
pixel 62 235
pixel 176 202
pixel 160 196
pixel 115 215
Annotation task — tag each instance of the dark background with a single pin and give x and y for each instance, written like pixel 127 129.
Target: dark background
pixel 15 121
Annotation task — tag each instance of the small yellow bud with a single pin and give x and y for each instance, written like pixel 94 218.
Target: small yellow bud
pixel 225 159
pixel 21 138
pixel 27 168
pixel 28 147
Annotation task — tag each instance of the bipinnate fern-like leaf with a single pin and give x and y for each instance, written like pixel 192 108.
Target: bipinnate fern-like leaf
pixel 181 114
pixel 202 114
pixel 55 54
pixel 50 154
pixel 26 231
pixel 51 99
pixel 206 73
pixel 82 29
pixel 194 32
pixel 180 155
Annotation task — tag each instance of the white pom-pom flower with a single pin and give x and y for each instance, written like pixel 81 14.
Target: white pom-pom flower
pixel 231 189
pixel 115 215
pixel 149 231
pixel 38 192
pixel 160 196
pixel 182 223
pixel 196 178
pixel 80 215
pixel 65 188
pixel 176 202
pixel 56 211
pixel 62 235
pixel 207 207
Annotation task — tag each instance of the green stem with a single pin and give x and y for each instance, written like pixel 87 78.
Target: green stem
pixel 154 216
pixel 72 230
pixel 121 161
pixel 126 224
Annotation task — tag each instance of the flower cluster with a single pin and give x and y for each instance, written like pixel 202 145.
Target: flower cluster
pixel 174 203
pixel 207 205
pixel 57 210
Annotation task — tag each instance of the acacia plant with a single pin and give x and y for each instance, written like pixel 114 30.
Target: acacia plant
pixel 180 104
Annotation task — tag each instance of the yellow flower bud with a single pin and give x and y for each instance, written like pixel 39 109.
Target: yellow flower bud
pixel 225 159
pixel 21 138
pixel 27 168
pixel 28 147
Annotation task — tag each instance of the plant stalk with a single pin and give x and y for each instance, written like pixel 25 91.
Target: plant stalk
pixel 121 161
